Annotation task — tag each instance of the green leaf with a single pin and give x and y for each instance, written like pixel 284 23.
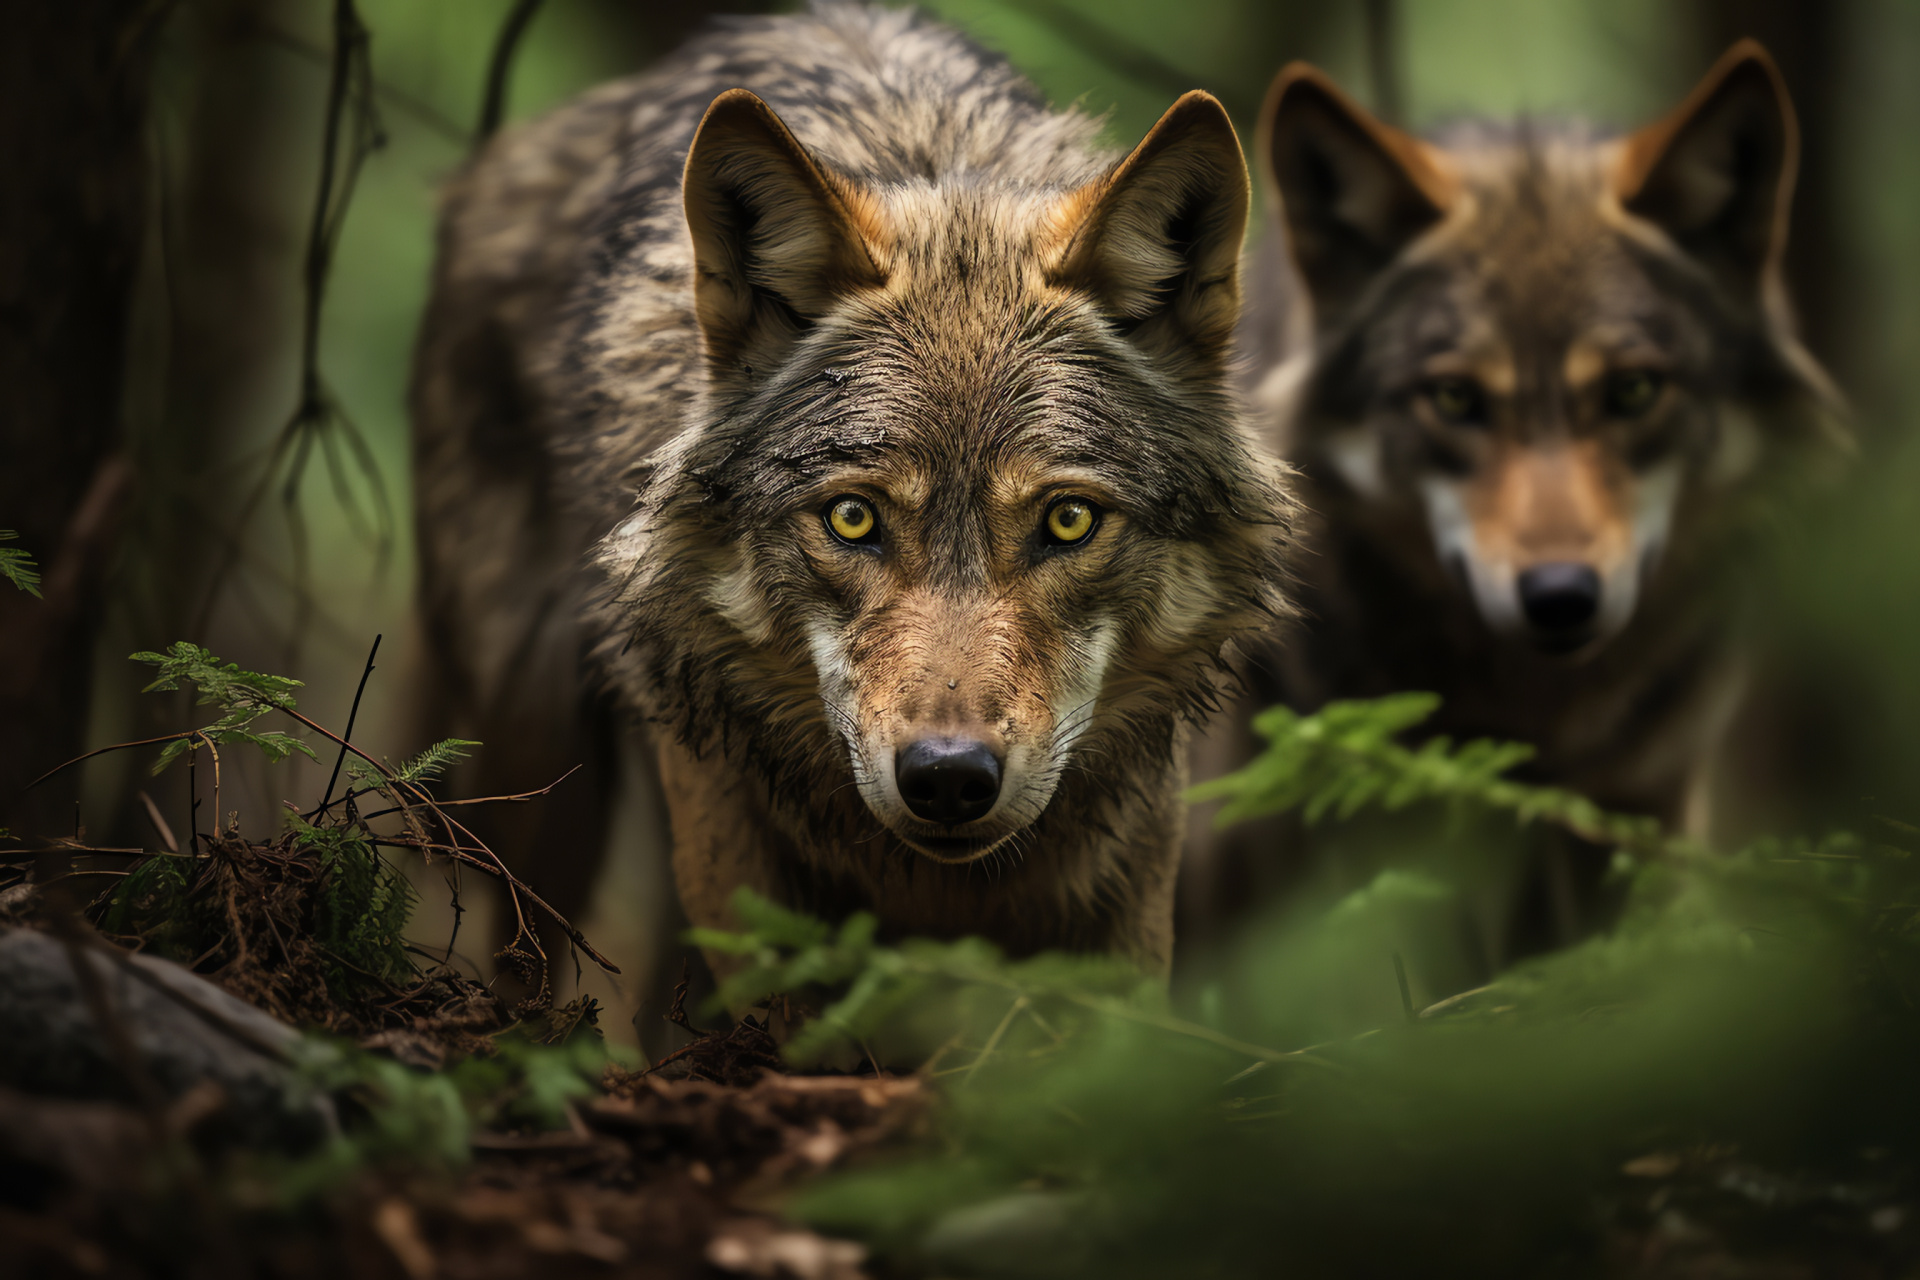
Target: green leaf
pixel 17 567
pixel 242 696
pixel 220 684
pixel 1346 757
pixel 435 760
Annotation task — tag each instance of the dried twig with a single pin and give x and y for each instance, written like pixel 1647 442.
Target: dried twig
pixel 1129 57
pixel 419 108
pixel 193 798
pixel 466 846
pixel 493 107
pixel 518 797
pixel 326 798
pixel 461 843
pixel 118 746
pixel 160 826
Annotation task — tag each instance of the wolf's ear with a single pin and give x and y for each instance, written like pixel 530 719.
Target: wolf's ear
pixel 1157 240
pixel 1353 191
pixel 776 238
pixel 1717 174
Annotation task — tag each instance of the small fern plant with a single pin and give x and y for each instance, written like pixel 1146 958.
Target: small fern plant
pixel 334 899
pixel 17 567
pixel 426 767
pixel 1347 757
pixel 242 697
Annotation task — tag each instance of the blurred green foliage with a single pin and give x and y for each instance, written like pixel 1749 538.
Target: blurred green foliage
pixel 16 565
pixel 1091 1128
pixel 1268 1122
pixel 1346 757
pixel 400 1119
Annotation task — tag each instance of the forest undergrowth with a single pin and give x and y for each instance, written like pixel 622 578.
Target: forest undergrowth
pixel 1718 1084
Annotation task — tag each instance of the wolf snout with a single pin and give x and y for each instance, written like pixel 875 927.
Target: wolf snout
pixel 948 780
pixel 1561 600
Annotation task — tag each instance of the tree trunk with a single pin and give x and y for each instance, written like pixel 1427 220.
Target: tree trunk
pixel 74 79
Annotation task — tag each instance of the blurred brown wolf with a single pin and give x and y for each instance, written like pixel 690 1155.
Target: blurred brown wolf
pixel 944 511
pixel 1534 379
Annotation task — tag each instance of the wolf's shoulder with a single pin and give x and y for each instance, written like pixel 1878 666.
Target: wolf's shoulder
pixel 884 96
pixel 892 96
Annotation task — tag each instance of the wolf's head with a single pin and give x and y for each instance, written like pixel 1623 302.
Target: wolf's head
pixel 1538 355
pixel 968 504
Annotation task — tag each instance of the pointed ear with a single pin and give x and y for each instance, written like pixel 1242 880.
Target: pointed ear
pixel 1717 174
pixel 1353 192
pixel 777 240
pixel 1158 239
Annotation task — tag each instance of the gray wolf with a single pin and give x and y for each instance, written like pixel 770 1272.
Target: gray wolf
pixel 1538 382
pixel 866 431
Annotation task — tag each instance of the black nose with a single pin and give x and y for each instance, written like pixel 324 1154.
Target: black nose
pixel 948 780
pixel 1560 597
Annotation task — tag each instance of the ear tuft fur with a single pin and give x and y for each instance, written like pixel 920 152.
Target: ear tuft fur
pixel 1717 173
pixel 1158 238
pixel 777 239
pixel 1353 191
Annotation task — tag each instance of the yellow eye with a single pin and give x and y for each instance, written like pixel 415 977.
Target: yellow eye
pixel 851 519
pixel 1631 392
pixel 1457 400
pixel 1070 520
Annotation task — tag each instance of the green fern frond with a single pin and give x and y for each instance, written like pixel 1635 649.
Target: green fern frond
pixel 17 567
pixel 435 760
pixel 219 684
pixel 876 989
pixel 243 697
pixel 1346 757
pixel 362 907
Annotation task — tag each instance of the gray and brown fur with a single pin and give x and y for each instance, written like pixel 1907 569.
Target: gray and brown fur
pixel 1543 268
pixel 850 253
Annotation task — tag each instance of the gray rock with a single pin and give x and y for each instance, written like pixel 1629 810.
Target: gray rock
pixel 186 1032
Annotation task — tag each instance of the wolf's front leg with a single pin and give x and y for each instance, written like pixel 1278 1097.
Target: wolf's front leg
pixel 720 842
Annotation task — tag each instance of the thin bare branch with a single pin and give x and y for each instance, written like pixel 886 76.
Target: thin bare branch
pixel 118 746
pixel 493 107
pixel 326 798
pixel 517 798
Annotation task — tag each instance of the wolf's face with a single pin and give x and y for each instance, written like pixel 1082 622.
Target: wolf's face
pixel 972 506
pixel 1540 358
pixel 1542 403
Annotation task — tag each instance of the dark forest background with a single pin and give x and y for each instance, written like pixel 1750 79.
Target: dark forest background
pixel 203 362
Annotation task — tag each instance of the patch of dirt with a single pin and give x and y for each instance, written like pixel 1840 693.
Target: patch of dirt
pixel 1709 1212
pixel 659 1178
pixel 655 1179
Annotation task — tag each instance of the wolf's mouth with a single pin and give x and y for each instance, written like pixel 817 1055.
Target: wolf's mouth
pixel 955 849
pixel 1564 644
